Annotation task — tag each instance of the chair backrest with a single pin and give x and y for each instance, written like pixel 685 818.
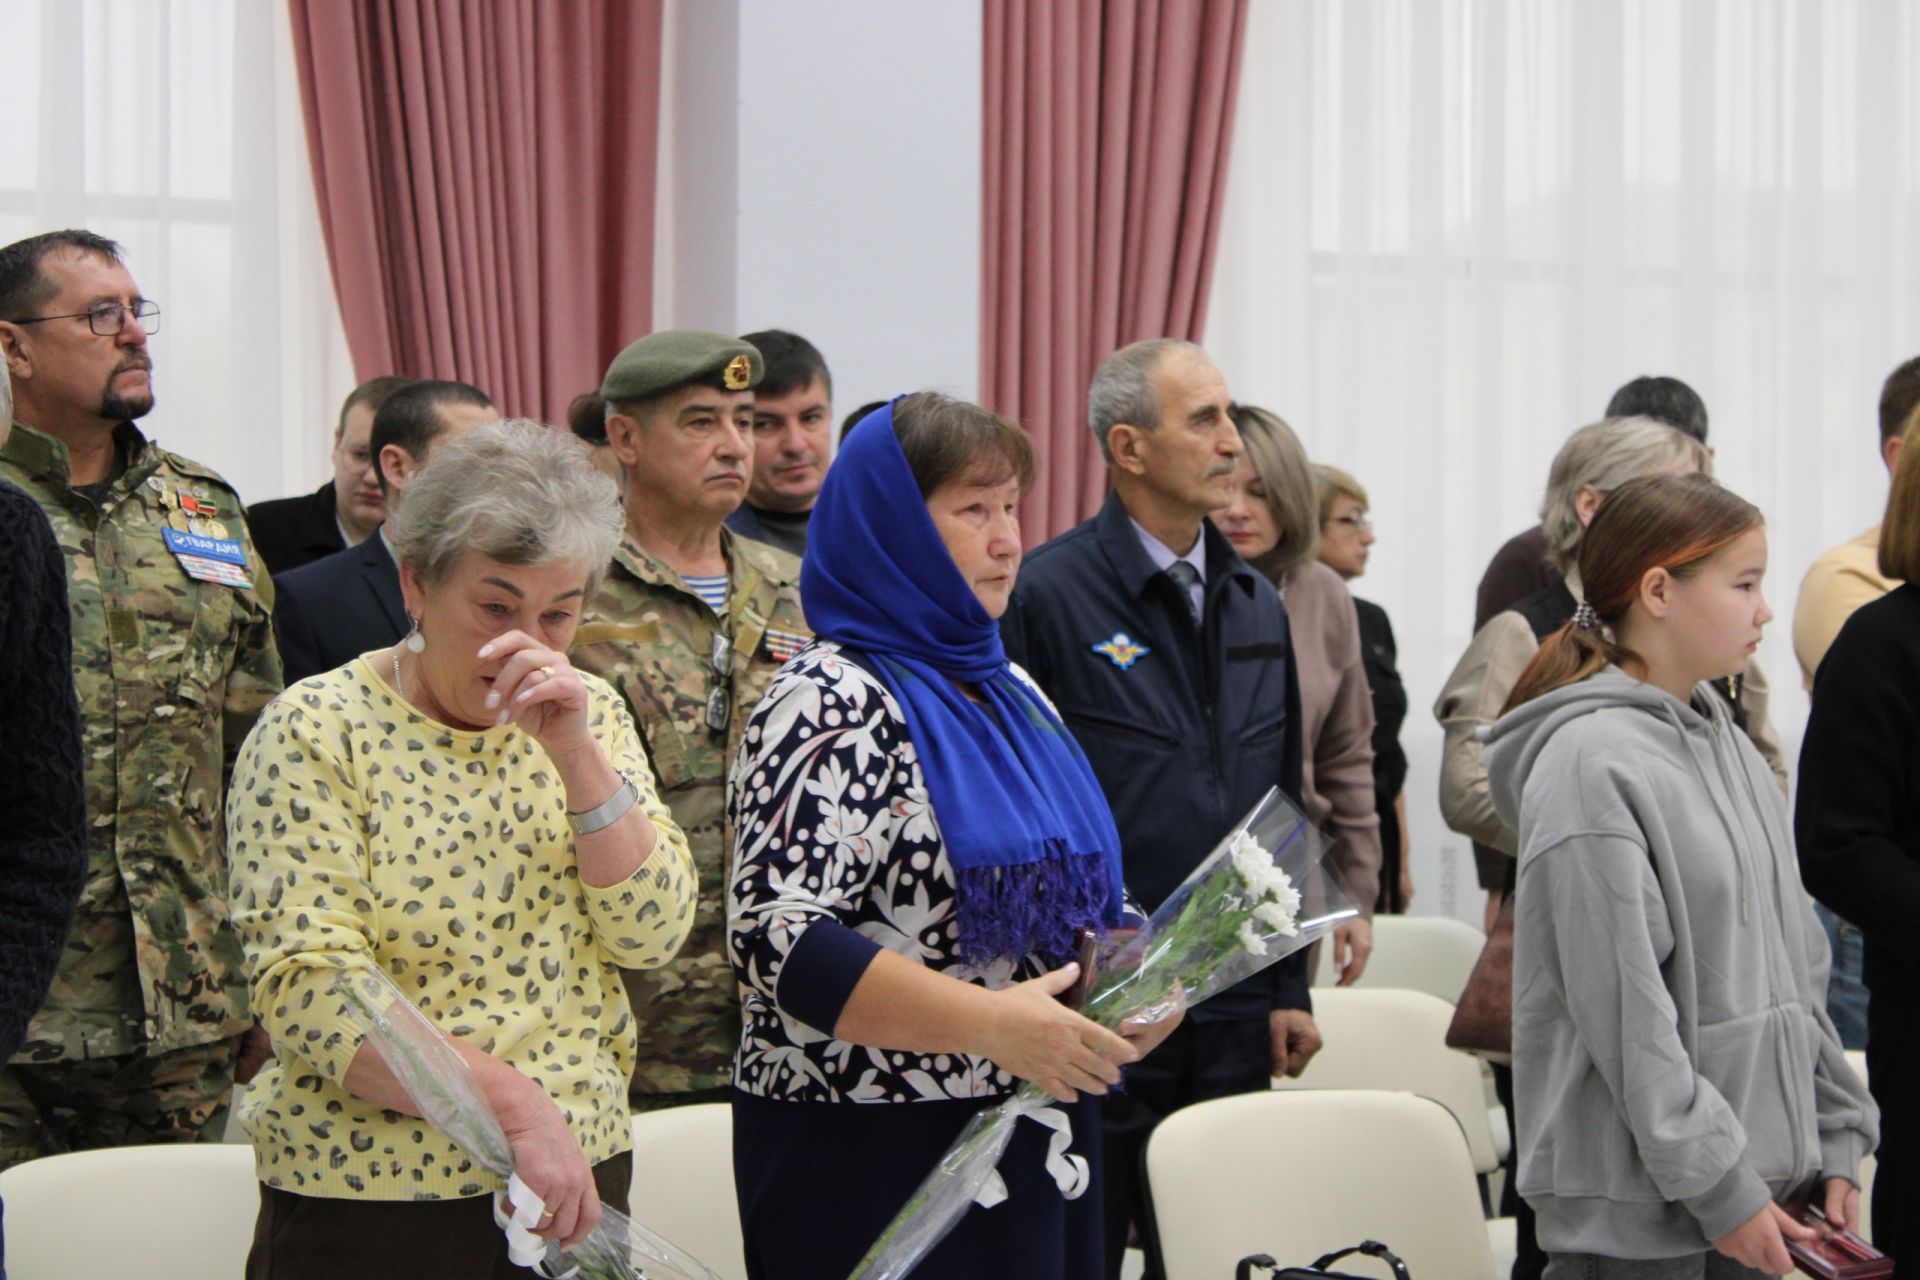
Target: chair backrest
pixel 1434 954
pixel 161 1213
pixel 1296 1175
pixel 1395 1039
pixel 1858 1061
pixel 683 1183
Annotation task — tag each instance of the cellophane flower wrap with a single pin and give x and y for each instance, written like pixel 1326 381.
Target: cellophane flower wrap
pixel 448 1097
pixel 1264 892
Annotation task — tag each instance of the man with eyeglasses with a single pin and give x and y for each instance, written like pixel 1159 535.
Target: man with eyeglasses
pixel 691 625
pixel 147 1022
pixel 344 511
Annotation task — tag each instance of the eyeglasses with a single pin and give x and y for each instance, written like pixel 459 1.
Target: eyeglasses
pixel 1359 524
pixel 720 695
pixel 109 318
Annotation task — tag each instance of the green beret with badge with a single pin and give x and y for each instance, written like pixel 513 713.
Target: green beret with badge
pixel 668 360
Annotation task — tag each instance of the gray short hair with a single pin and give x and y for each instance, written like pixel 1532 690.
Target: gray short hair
pixel 1122 388
pixel 1606 455
pixel 518 492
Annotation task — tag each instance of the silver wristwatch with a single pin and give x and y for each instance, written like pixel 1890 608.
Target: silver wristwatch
pixel 607 812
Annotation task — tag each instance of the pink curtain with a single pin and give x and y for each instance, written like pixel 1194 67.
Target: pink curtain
pixel 486 182
pixel 1107 124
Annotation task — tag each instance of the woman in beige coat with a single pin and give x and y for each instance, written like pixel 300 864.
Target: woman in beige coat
pixel 1595 460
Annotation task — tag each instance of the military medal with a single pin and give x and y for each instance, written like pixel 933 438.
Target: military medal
pixel 215 529
pixel 198 527
pixel 177 521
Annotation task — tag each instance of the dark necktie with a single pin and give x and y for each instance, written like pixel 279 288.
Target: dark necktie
pixel 1186 577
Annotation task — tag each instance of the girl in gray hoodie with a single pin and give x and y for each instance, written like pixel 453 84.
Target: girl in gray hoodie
pixel 1676 1078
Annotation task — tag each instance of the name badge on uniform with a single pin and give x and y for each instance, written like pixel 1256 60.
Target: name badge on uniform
pixel 205 559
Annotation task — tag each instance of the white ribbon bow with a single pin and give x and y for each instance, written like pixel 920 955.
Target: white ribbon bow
pixel 524 1249
pixel 1069 1172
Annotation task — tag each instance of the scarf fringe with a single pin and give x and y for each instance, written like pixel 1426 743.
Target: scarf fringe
pixel 1032 909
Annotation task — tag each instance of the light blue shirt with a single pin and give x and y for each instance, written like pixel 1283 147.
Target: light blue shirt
pixel 1162 556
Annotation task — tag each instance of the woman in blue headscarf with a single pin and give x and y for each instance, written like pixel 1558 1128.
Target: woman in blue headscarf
pixel 919 845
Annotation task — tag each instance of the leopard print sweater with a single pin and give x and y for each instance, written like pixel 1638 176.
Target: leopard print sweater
pixel 362 834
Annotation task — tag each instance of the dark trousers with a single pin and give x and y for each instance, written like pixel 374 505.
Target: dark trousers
pixel 131 1100
pixel 1893 1069
pixel 300 1237
pixel 818 1182
pixel 1200 1061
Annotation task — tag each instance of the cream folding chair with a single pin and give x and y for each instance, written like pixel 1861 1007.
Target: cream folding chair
pixel 1396 1039
pixel 683 1183
pixel 161 1213
pixel 1297 1174
pixel 1858 1060
pixel 1433 954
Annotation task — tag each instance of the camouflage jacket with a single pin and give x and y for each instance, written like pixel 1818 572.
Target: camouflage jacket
pixel 171 674
pixel 653 638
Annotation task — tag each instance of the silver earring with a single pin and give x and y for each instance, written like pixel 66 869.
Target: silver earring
pixel 416 643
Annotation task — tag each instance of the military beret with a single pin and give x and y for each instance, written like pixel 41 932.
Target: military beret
pixel 661 362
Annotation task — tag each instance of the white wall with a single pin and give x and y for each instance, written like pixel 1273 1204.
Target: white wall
pixel 820 172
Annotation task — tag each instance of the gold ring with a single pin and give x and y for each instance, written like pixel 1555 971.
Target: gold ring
pixel 547 672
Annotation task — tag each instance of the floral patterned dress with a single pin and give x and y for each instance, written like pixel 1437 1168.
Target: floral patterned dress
pixel 837 855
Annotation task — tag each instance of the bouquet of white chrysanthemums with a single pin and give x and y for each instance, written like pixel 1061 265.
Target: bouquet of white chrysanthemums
pixel 442 1087
pixel 1240 911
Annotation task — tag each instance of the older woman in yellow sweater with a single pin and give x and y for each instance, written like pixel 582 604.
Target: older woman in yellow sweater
pixel 468 814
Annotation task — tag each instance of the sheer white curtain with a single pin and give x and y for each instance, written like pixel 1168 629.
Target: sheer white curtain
pixel 1455 226
pixel 174 127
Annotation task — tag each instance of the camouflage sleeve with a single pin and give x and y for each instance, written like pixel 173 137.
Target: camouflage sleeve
pixel 302 903
pixel 255 678
pixel 641 922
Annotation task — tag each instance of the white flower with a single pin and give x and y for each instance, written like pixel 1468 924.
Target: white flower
pixel 1249 859
pixel 1250 939
pixel 1278 916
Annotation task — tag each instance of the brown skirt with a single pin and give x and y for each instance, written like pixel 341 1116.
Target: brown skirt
pixel 317 1238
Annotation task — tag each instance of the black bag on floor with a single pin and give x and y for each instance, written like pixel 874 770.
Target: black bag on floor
pixel 1261 1264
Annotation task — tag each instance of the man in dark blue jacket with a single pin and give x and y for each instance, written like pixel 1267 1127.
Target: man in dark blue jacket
pixel 1171 661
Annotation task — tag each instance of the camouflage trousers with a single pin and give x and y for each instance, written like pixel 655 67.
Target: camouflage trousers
pixel 642 1103
pixel 136 1099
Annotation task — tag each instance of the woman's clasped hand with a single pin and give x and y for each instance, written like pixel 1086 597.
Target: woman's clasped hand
pixel 1037 1038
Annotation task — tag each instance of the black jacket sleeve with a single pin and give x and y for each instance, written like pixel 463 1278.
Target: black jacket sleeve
pixel 293 631
pixel 1856 821
pixel 43 838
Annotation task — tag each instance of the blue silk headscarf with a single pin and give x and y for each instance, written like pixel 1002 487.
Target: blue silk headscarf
pixel 1025 824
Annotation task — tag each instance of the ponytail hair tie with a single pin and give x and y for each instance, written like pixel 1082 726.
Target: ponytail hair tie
pixel 1585 618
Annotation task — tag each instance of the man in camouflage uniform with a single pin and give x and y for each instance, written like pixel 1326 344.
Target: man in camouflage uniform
pixel 691 625
pixel 173 659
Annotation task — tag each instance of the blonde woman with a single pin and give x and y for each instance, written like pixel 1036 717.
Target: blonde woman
pixel 1273 521
pixel 1346 543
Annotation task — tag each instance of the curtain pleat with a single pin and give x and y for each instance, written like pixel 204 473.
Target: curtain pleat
pixel 1106 129
pixel 486 182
